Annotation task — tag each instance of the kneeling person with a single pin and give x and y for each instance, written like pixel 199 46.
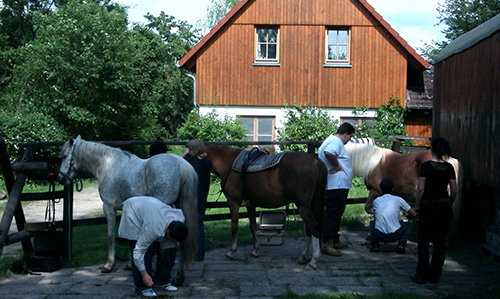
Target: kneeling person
pixel 386 227
pixel 151 226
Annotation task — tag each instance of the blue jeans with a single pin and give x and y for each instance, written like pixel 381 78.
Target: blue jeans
pixel 399 235
pixel 161 276
pixel 335 203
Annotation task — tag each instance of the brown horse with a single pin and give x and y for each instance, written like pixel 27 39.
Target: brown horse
pixel 373 164
pixel 299 178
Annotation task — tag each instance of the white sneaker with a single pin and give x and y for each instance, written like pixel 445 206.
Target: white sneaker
pixel 169 287
pixel 148 293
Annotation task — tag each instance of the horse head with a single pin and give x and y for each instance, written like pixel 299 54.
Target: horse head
pixel 69 167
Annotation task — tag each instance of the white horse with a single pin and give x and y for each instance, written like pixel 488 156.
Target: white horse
pixel 373 164
pixel 122 175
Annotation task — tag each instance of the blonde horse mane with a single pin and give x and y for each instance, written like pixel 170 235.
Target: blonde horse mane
pixel 365 157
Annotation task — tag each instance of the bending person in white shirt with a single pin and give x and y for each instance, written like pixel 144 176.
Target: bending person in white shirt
pixel 151 226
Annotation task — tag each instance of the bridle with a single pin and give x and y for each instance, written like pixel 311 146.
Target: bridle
pixel 77 180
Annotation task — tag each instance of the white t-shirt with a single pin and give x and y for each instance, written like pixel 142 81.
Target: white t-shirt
pixel 343 178
pixel 386 210
pixel 145 219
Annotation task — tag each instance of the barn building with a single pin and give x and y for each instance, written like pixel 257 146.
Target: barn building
pixel 467 113
pixel 334 54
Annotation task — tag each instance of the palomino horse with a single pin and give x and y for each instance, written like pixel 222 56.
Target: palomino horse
pixel 122 175
pixel 373 164
pixel 299 178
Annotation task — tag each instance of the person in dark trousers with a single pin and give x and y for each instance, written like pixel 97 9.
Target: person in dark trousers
pixel 150 226
pixel 434 207
pixel 196 156
pixel 332 152
pixel 386 227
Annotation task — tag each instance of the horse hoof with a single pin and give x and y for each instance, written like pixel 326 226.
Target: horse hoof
pixel 106 269
pixel 303 260
pixel 178 281
pixel 311 266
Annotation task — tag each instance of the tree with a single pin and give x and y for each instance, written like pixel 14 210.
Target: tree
pixel 217 11
pixel 98 78
pixel 459 17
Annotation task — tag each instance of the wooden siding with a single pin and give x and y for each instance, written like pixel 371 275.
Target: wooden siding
pixel 467 109
pixel 419 124
pixel 226 75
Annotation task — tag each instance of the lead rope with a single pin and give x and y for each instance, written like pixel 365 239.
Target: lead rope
pixel 50 210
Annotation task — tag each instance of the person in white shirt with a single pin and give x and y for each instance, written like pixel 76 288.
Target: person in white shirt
pixel 151 225
pixel 332 152
pixel 387 227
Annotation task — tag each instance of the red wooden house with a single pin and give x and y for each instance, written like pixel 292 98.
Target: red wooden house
pixel 336 54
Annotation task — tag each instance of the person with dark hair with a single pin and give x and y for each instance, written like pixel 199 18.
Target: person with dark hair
pixel 332 152
pixel 157 147
pixel 386 226
pixel 196 156
pixel 434 207
pixel 150 225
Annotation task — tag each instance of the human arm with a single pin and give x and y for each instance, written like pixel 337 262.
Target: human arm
pixel 186 152
pixel 412 212
pixel 335 163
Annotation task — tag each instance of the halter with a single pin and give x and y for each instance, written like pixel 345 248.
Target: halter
pixel 78 180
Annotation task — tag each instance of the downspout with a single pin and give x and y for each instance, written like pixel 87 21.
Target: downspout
pixel 194 83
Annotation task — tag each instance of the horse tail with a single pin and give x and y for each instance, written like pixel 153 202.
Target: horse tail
pixel 318 200
pixel 188 202
pixel 457 204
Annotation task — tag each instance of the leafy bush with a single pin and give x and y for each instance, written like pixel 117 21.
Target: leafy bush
pixel 304 123
pixel 212 128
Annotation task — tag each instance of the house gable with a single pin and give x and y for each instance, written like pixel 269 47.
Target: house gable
pixel 227 75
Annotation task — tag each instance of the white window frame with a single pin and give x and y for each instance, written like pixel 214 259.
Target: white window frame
pixel 255 135
pixel 337 43
pixel 257 43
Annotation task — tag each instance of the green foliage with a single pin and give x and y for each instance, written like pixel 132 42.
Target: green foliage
pixel 26 126
pixel 212 128
pixel 304 123
pixel 99 78
pixel 389 121
pixel 461 16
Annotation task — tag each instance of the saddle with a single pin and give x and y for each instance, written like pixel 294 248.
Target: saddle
pixel 255 160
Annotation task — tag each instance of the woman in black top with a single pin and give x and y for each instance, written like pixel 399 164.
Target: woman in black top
pixel 196 156
pixel 434 207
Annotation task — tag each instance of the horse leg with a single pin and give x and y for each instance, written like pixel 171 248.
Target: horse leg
pixel 305 254
pixel 253 229
pixel 314 243
pixel 110 214
pixel 179 277
pixel 234 210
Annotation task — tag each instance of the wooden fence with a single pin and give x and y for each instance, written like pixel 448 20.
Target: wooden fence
pixel 37 168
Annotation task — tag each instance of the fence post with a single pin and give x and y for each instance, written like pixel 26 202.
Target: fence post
pixel 67 220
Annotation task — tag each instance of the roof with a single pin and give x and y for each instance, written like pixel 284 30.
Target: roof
pixel 469 39
pixel 184 62
pixel 421 98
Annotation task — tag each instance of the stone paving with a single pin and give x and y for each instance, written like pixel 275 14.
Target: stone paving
pixel 276 272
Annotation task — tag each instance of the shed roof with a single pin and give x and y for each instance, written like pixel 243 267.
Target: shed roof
pixel 469 39
pixel 188 62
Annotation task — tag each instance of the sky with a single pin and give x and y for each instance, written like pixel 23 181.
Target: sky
pixel 414 20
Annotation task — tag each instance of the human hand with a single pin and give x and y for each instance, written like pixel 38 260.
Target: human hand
pixel 146 278
pixel 334 170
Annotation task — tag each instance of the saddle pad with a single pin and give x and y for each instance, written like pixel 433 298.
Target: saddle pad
pixel 263 162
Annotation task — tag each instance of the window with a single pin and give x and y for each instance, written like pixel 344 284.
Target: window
pixel 337 46
pixel 259 128
pixel 266 44
pixel 358 121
